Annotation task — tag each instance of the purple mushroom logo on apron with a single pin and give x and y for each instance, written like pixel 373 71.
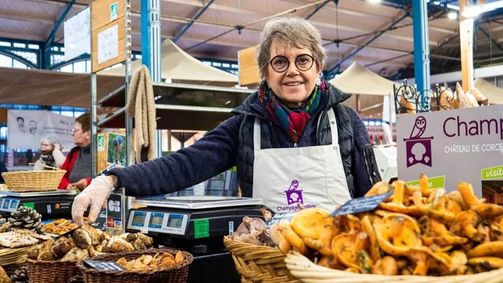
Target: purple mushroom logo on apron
pixel 294 194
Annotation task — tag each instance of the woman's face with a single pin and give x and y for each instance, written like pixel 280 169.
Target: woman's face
pixel 46 146
pixel 81 138
pixel 292 86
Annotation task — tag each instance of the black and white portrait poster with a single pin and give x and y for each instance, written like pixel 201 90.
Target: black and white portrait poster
pixel 25 128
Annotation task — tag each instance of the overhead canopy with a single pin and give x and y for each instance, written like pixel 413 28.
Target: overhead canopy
pixel 359 80
pixel 493 93
pixel 179 66
pixel 41 87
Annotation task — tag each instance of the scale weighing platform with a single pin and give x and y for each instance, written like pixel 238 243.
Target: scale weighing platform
pixel 51 204
pixel 196 224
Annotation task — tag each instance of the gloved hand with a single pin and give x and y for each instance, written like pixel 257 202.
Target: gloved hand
pixel 95 196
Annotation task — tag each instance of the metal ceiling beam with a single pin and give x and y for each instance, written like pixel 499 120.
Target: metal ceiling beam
pixel 490 38
pixel 192 20
pixel 319 8
pixel 52 34
pixel 355 51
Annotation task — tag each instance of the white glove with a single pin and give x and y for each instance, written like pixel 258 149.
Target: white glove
pixel 95 196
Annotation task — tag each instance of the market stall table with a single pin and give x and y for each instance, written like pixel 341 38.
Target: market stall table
pixel 196 224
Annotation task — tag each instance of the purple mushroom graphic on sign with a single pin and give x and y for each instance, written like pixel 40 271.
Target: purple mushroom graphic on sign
pixel 293 194
pixel 418 148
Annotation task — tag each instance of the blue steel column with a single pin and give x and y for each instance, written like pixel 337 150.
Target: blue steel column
pixel 151 37
pixel 151 45
pixel 421 47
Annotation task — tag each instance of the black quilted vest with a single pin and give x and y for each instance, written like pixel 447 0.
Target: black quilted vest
pixel 245 156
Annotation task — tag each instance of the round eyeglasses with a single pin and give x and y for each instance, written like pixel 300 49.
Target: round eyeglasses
pixel 303 62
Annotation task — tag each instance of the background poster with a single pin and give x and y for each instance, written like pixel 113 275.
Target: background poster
pixel 116 149
pixel 456 145
pixel 25 128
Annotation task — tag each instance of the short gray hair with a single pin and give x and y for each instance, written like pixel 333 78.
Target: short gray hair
pixel 52 140
pixel 292 30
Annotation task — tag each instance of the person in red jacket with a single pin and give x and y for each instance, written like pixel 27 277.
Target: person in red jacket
pixel 78 161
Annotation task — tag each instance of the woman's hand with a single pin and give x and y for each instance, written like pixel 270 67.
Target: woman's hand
pixel 94 196
pixel 80 185
pixel 57 147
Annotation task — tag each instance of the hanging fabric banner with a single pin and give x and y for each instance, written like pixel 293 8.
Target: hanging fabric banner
pixel 25 128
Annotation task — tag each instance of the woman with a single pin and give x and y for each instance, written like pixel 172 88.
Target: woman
pixel 78 161
pixel 293 141
pixel 50 154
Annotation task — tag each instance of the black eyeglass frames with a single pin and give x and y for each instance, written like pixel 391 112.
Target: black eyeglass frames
pixel 303 62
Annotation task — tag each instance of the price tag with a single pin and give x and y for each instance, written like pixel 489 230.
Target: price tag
pixel 361 204
pixel 103 265
pixel 280 217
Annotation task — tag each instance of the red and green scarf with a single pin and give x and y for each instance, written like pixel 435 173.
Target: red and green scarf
pixel 292 120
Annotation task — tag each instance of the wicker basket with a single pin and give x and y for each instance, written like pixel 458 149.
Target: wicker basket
pixel 33 181
pixel 174 274
pixel 51 271
pixel 304 269
pixel 258 263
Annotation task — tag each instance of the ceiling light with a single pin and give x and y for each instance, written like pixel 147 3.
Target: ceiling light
pixel 374 1
pixel 452 15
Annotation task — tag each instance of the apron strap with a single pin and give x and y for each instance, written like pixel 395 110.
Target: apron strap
pixel 333 126
pixel 256 133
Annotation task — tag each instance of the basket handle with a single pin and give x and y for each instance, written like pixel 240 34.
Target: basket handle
pixel 46 166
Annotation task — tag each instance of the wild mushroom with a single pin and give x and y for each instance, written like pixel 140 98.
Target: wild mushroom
pixel 385 266
pixel 469 197
pixel 316 228
pixel 465 224
pixel 397 234
pixel 347 246
pixel 375 252
pixel 397 204
pixel 494 248
pixel 435 233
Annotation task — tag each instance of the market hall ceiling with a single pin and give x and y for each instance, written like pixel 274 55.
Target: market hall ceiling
pixel 378 36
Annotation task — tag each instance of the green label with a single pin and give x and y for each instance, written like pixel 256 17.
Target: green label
pixel 491 173
pixel 101 142
pixel 114 11
pixel 201 228
pixel 437 182
pixel 29 204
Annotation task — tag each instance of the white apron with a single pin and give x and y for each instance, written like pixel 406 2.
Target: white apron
pixel 312 176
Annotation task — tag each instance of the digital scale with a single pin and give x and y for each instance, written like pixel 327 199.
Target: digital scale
pixel 50 204
pixel 191 217
pixel 196 224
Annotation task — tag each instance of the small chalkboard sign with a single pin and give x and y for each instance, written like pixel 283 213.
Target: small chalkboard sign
pixel 103 265
pixel 361 204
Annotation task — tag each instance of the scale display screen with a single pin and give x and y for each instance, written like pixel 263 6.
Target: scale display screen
pixel 13 204
pixel 175 220
pixel 6 204
pixel 139 219
pixel 155 220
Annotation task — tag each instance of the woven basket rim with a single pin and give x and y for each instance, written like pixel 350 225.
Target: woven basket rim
pixel 297 263
pixel 36 261
pixel 33 171
pixel 229 241
pixel 114 256
pixel 33 180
